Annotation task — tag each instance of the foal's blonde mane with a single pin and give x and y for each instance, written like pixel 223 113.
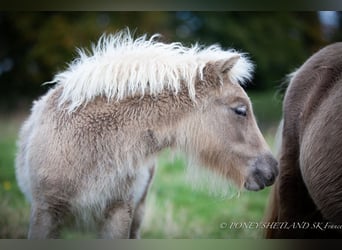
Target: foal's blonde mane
pixel 119 66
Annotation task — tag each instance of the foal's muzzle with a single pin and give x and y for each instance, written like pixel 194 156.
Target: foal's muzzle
pixel 263 172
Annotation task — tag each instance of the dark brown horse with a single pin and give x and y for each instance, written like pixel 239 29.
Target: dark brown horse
pixel 307 199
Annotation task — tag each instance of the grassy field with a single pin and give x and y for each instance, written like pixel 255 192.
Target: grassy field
pixel 174 208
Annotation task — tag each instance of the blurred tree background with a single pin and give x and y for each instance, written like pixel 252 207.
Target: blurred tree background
pixel 36 45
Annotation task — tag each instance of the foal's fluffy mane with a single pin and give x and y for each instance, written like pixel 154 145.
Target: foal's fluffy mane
pixel 119 66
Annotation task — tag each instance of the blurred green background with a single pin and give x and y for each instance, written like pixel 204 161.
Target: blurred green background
pixel 36 45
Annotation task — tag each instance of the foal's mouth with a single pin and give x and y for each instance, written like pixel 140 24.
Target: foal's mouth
pixel 263 173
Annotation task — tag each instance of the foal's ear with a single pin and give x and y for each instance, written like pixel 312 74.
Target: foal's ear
pixel 225 65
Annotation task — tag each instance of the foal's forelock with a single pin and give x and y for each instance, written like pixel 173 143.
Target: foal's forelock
pixel 120 66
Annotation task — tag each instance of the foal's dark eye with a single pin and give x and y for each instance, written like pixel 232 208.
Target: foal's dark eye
pixel 241 110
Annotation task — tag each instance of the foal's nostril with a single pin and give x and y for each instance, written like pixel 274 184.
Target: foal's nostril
pixel 263 173
pixel 270 180
pixel 273 166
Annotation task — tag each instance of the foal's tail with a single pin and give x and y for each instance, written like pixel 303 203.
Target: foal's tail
pixel 271 214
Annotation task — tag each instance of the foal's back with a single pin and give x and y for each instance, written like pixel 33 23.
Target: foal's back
pixel 310 184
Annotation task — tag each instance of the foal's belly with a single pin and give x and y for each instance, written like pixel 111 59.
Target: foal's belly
pixel 103 189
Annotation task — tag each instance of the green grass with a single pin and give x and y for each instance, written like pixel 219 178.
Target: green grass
pixel 174 208
pixel 14 210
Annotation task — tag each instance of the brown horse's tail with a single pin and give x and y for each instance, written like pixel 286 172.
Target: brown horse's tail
pixel 271 213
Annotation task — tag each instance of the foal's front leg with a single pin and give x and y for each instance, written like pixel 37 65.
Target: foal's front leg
pixel 140 208
pixel 118 221
pixel 137 220
pixel 44 223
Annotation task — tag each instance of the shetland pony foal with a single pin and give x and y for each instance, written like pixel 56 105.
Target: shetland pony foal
pixel 89 146
pixel 308 193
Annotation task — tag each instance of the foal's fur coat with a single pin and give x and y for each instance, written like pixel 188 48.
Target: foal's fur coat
pixel 309 188
pixel 89 146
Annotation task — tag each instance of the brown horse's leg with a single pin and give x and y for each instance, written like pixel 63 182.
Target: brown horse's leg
pixel 293 202
pixel 140 209
pixel 295 207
